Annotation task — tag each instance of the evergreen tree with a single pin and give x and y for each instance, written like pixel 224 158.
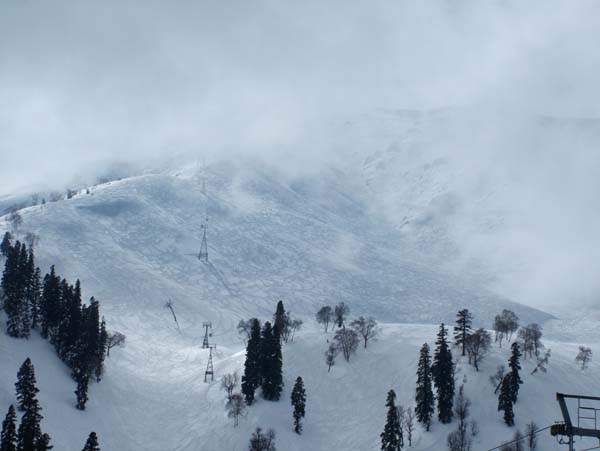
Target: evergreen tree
pixel 29 430
pixel 279 321
pixel 271 364
pixel 34 297
pixel 101 351
pixel 92 443
pixel 443 376
pixel 391 437
pixel 424 393
pixel 505 401
pixel 50 303
pixel 514 365
pixel 15 281
pixel 81 391
pixel 251 377
pixel 6 245
pixel 25 386
pixel 8 439
pixel 463 329
pixel 299 403
pixel 43 443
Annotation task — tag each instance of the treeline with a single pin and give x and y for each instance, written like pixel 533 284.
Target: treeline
pixel 54 307
pixel 29 436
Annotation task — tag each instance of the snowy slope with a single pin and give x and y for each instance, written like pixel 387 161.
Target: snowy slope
pixel 308 241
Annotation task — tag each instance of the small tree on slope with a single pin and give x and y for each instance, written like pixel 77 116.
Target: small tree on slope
pixel 299 403
pixel 391 437
pixel 505 401
pixel 515 366
pixel 424 393
pixel 92 443
pixel 443 376
pixel 25 386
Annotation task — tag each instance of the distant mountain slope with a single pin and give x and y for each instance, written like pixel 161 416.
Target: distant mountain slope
pixel 308 241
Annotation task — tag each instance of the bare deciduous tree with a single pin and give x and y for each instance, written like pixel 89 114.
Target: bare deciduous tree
pixel 295 325
pixel 346 340
pixel 478 344
pixel 114 339
pixel 261 441
pixel 409 424
pixel 542 362
pixel 229 382
pixel 330 356
pixel 584 357
pixel 235 407
pixel 365 327
pixel 530 433
pixel 325 316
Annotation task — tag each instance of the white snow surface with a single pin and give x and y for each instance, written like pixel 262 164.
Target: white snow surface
pixel 309 242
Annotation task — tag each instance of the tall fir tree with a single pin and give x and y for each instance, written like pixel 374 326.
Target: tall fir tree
pixel 391 437
pixel 6 244
pixel 299 402
pixel 514 365
pixel 15 282
pixel 50 303
pixel 8 439
pixel 505 401
pixel 92 443
pixel 443 376
pixel 29 433
pixel 34 296
pixel 279 321
pixel 424 393
pixel 463 329
pixel 251 376
pixel 271 364
pixel 26 386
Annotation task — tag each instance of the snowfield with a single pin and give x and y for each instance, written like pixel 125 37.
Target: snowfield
pixel 309 242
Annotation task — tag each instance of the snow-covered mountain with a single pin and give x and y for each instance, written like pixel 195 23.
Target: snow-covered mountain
pixel 306 239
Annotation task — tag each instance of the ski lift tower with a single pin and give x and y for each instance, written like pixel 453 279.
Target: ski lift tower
pixel 209 366
pixel 203 254
pixel 206 325
pixel 588 408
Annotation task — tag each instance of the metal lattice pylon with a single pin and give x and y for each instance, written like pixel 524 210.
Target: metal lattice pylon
pixel 206 325
pixel 209 366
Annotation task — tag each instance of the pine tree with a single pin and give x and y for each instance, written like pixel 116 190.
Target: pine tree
pixel 443 376
pixel 8 439
pixel 29 430
pixel 514 365
pixel 251 377
pixel 6 245
pixel 505 401
pixel 34 295
pixel 271 364
pixel 43 443
pixel 424 393
pixel 50 303
pixel 81 391
pixel 25 386
pixel 391 437
pixel 299 403
pixel 101 351
pixel 462 330
pixel 15 281
pixel 92 443
pixel 279 321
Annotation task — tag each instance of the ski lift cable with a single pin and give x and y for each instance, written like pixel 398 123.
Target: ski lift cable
pixel 524 438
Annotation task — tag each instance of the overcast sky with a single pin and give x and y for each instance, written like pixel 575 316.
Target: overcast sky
pixel 83 83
